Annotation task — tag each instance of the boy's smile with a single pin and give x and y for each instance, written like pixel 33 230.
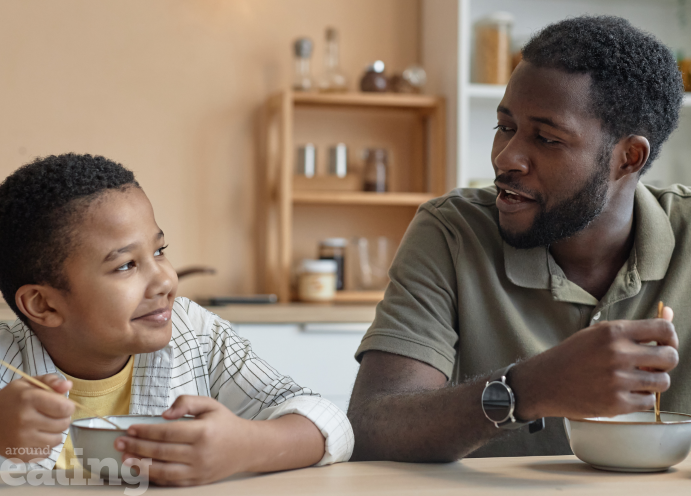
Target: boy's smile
pixel 121 289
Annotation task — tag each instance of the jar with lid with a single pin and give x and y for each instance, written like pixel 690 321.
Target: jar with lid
pixel 335 249
pixel 374 79
pixel 376 170
pixel 493 61
pixel 317 280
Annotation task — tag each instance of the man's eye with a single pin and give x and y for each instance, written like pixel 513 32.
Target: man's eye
pixel 126 266
pixel 159 252
pixel 503 129
pixel 547 141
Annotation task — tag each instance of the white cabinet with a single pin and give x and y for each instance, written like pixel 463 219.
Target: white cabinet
pixel 317 356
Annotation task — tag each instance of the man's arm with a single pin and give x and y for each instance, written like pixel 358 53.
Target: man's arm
pixel 402 409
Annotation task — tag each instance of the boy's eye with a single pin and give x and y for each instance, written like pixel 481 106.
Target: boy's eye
pixel 503 129
pixel 126 266
pixel 159 252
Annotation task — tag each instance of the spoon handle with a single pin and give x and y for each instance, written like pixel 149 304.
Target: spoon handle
pixel 658 395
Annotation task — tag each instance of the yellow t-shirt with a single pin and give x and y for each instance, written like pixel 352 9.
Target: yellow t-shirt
pixel 109 396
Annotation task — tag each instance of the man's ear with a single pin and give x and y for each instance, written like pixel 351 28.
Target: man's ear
pixel 632 154
pixel 38 303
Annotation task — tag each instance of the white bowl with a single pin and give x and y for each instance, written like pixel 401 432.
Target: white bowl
pixel 97 440
pixel 631 443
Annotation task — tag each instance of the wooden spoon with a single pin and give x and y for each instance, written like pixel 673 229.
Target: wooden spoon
pixel 38 383
pixel 658 395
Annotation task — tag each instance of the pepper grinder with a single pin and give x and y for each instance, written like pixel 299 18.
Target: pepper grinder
pixel 302 80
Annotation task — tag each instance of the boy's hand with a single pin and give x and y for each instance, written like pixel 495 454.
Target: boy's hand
pixel 215 445
pixel 32 418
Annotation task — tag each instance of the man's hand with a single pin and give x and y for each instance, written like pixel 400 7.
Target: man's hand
pixel 603 370
pixel 32 418
pixel 217 444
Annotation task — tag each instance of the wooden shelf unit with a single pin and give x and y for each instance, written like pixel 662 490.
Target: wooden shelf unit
pixel 359 198
pixel 285 201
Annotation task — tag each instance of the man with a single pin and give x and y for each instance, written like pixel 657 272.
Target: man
pixel 559 270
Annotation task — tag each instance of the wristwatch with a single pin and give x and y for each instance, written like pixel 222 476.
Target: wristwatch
pixel 499 403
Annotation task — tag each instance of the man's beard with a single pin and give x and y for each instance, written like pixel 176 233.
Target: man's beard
pixel 569 216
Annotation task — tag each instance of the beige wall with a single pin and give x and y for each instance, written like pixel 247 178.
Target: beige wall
pixel 171 89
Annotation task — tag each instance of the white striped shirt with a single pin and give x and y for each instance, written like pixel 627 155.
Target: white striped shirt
pixel 204 357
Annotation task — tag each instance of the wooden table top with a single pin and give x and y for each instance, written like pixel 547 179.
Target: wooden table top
pixel 478 476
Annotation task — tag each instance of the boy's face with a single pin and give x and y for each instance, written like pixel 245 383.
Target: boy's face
pixel 121 286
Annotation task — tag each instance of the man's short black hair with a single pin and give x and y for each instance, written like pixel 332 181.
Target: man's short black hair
pixel 636 85
pixel 40 204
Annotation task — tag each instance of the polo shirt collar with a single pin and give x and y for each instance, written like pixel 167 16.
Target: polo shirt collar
pixel 653 246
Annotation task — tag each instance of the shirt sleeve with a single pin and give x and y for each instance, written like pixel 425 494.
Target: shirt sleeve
pixel 252 389
pixel 417 317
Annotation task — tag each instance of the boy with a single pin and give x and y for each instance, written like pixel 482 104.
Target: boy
pixel 82 264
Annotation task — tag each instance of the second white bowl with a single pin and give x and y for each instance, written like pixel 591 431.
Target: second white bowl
pixel 631 443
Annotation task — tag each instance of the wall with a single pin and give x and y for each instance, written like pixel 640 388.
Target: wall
pixel 172 89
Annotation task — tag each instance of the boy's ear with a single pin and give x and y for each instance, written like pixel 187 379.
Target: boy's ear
pixel 37 302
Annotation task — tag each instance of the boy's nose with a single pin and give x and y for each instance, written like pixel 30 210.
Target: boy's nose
pixel 163 282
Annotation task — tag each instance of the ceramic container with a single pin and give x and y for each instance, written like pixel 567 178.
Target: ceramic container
pixel 97 440
pixel 631 443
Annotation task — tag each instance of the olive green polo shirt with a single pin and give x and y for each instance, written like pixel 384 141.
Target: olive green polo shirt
pixel 466 303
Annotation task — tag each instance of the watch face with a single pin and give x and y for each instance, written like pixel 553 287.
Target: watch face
pixel 496 402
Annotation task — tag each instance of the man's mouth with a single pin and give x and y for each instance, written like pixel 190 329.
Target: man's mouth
pixel 511 196
pixel 510 200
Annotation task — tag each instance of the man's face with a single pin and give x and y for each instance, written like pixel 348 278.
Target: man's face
pixel 121 286
pixel 551 157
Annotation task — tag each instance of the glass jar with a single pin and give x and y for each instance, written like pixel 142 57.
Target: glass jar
pixel 493 61
pixel 335 249
pixel 317 280
pixel 374 79
pixel 376 170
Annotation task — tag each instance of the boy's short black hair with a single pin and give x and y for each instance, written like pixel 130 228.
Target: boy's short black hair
pixel 636 85
pixel 39 207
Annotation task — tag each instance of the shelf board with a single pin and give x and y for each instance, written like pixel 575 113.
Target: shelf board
pixel 359 296
pixel 355 99
pixel 360 198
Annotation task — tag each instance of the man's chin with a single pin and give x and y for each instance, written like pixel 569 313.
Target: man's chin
pixel 522 240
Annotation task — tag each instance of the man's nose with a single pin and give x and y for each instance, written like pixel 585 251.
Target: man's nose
pixel 512 158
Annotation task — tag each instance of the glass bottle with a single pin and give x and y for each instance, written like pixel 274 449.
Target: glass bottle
pixel 302 78
pixel 335 249
pixel 376 170
pixel 333 79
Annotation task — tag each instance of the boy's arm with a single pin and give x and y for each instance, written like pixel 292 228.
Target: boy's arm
pixel 252 389
pixel 217 444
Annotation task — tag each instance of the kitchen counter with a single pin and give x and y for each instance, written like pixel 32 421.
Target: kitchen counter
pixel 277 313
